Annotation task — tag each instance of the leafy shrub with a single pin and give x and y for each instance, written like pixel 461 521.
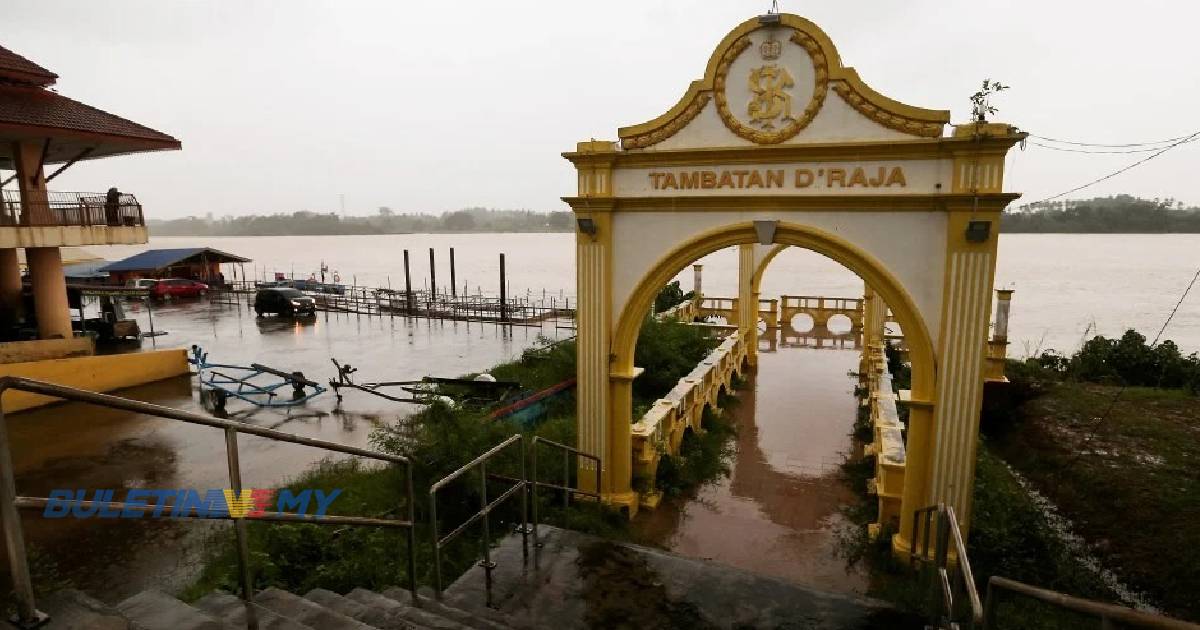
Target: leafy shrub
pixel 1130 361
pixel 668 350
pixel 670 296
pixel 702 458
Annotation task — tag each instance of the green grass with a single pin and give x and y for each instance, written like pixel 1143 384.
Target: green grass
pixel 1009 537
pixel 1129 482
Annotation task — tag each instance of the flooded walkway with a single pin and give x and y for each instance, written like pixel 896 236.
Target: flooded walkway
pixel 76 446
pixel 779 512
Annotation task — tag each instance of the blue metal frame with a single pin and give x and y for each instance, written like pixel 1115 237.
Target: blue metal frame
pixel 240 386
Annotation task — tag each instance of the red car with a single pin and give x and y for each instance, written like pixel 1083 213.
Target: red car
pixel 176 288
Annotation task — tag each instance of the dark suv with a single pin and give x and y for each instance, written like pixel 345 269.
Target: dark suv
pixel 284 301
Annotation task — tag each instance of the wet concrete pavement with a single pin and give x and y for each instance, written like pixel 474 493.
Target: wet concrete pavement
pixel 779 512
pixel 580 581
pixel 83 447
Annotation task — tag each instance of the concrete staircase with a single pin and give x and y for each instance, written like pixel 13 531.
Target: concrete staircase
pixel 572 581
pixel 318 609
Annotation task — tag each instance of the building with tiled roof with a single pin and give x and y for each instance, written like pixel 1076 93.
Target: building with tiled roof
pixel 14 67
pixel 42 133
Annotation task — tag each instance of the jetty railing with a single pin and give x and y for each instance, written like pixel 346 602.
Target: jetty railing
pixel 660 431
pixel 10 502
pixel 684 311
pixel 483 514
pixel 887 439
pixel 821 309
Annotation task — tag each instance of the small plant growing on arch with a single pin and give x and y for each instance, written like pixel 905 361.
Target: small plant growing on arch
pixel 981 106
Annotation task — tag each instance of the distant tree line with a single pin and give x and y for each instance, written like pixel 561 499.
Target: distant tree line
pixel 385 222
pixel 1113 215
pixel 1122 214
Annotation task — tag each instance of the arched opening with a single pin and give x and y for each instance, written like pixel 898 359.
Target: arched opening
pixel 848 255
pixel 802 322
pixel 853 258
pixel 839 324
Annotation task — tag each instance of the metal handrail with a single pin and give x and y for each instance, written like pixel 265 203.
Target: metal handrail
pixel 565 488
pixel 71 208
pixel 27 613
pixel 485 510
pixel 947 532
pixel 985 614
pixel 1110 615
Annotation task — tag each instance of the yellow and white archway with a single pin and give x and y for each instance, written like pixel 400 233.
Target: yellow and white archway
pixel 779 144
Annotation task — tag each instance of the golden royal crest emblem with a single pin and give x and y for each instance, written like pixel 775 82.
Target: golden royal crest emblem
pixel 772 107
pixel 769 97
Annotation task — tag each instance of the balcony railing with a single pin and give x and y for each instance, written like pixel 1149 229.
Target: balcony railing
pixel 71 208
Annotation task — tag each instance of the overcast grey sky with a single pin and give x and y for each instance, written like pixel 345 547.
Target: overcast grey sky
pixel 426 106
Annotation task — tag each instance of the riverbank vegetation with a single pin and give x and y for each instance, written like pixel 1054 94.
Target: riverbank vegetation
pixel 438 440
pixel 1121 214
pixel 386 222
pixel 1111 437
pixel 1086 483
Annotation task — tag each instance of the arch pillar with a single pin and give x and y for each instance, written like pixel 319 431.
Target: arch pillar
pixel 604 396
pixel 748 302
pixel 966 311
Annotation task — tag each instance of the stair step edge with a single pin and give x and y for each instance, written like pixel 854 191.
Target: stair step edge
pixel 493 620
pixel 231 610
pixel 306 611
pixel 155 610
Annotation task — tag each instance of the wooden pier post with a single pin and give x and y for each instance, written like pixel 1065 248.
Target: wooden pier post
pixel 503 292
pixel 453 289
pixel 432 279
pixel 408 301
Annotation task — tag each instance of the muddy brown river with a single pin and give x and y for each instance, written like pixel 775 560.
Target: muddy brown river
pixel 779 511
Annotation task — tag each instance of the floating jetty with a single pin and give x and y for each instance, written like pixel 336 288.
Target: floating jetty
pixel 529 310
pixel 383 302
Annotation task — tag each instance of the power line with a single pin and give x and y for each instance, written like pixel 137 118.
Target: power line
pixel 1100 152
pixel 1111 146
pixel 1176 309
pixel 1112 403
pixel 1182 140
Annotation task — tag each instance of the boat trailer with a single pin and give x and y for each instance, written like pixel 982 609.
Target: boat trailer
pixel 421 392
pixel 219 381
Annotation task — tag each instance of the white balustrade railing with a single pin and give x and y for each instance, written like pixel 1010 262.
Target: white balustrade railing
pixel 660 430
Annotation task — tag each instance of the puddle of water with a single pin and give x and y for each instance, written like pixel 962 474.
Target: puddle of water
pixel 622 591
pixel 779 512
pixel 82 447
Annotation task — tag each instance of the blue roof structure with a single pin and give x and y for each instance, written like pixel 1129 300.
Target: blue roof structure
pixel 155 259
